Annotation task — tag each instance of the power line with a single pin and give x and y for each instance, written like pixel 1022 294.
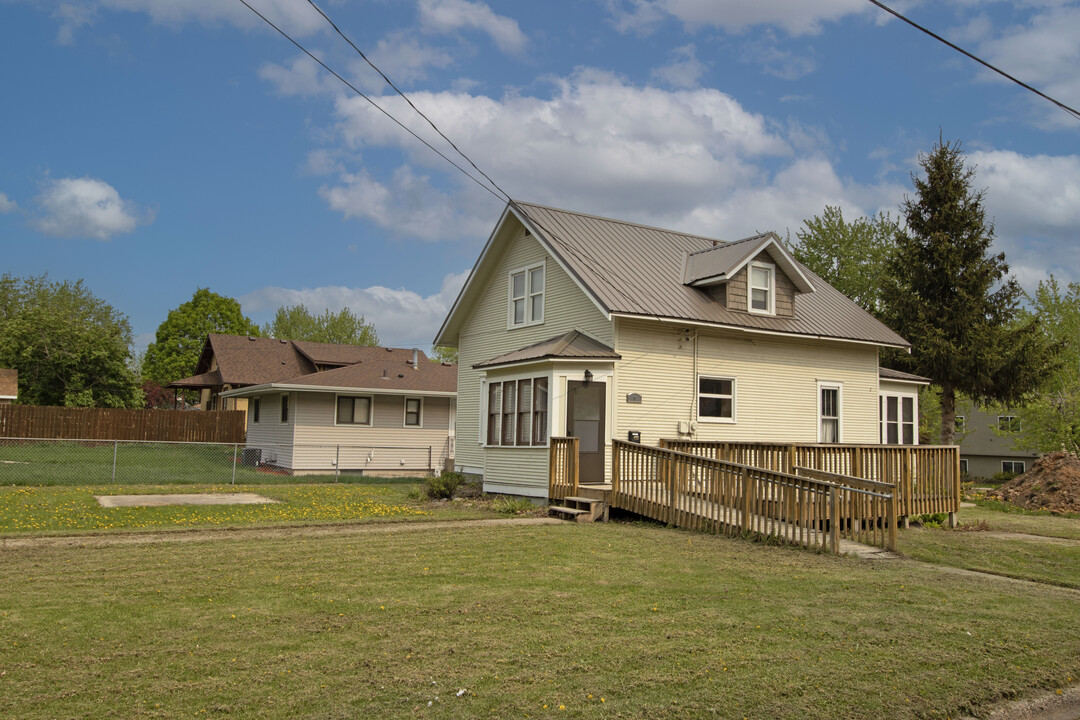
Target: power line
pixel 957 48
pixel 373 103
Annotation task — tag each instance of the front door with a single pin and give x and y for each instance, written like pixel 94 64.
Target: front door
pixel 585 421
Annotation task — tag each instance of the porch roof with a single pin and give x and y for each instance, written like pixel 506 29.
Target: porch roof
pixel 899 376
pixel 573 345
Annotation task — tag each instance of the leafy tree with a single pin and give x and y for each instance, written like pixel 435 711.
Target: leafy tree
pixel 951 299
pixel 343 328
pixel 70 348
pixel 850 256
pixel 1051 418
pixel 180 339
pixel 441 354
pixel 157 397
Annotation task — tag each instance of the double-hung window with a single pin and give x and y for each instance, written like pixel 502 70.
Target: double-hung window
pixel 353 410
pixel 716 399
pixel 829 408
pixel 255 411
pixel 413 412
pixel 762 288
pixel 526 297
pixel 517 412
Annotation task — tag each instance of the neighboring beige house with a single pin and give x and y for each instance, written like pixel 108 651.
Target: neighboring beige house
pixel 572 324
pixel 9 386
pixel 323 408
pixel 984 452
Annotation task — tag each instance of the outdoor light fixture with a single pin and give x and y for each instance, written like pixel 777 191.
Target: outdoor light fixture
pixel 588 377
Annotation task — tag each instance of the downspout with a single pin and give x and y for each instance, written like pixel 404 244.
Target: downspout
pixel 691 425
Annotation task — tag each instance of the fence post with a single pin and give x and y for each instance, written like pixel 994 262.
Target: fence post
pixel 615 464
pixel 747 502
pixel 890 512
pixel 337 462
pixel 430 467
pixel 115 443
pixel 235 450
pixel 834 520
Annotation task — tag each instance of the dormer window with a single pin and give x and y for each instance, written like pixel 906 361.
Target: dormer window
pixel 762 286
pixel 526 297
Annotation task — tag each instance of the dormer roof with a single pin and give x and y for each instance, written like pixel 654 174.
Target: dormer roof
pixel 720 263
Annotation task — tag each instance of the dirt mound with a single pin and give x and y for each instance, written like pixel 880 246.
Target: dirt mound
pixel 1052 483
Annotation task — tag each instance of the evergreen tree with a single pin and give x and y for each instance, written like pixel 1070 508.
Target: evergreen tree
pixel 952 300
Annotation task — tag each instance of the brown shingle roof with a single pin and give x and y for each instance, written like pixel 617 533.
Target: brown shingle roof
pixel 638 270
pixel 568 346
pixel 388 375
pixel 210 379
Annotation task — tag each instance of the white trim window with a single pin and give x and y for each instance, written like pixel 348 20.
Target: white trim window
pixel 830 412
pixel 960 424
pixel 1008 424
pixel 526 296
pixel 255 407
pixel 353 410
pixel 898 415
pixel 285 408
pixel 414 412
pixel 517 412
pixel 761 288
pixel 963 466
pixel 716 399
pixel 1013 466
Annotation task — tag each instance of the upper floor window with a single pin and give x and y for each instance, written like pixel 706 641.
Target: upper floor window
pixel 762 288
pixel 526 297
pixel 1008 423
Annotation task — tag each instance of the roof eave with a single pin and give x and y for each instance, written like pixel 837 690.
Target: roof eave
pixel 292 387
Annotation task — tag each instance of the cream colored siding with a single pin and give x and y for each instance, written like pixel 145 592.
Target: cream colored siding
pixel 270 435
pixel 517 471
pixel 484 335
pixel 776 383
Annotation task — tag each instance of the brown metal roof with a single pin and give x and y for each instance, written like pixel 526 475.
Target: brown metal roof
pixel 568 346
pixel 890 374
pixel 638 270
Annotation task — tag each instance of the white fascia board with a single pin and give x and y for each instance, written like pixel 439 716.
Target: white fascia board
pixel 290 387
pixel 898 380
pixel 547 245
pixel 469 281
pixel 547 361
pixel 756 331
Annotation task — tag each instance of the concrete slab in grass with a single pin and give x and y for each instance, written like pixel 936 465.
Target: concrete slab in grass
pixel 112 501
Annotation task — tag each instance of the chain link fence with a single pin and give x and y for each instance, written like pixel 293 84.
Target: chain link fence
pixel 126 462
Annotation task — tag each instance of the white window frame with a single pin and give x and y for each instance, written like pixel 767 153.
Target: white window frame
pixel 839 387
pixel 371 410
pixel 964 466
pixel 529 293
pixel 419 413
pixel 1011 419
pixel 1014 463
pixel 533 412
pixel 771 294
pixel 883 409
pixel 733 397
pixel 959 424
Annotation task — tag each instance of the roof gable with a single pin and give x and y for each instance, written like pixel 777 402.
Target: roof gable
pixel 720 263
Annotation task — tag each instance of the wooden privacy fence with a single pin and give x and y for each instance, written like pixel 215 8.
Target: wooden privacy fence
pixel 719 496
pixel 563 468
pixel 927 477
pixel 63 423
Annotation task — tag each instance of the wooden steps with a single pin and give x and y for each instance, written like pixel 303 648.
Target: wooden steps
pixel 580 509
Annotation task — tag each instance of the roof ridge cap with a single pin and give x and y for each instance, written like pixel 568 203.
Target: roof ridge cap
pixel 618 221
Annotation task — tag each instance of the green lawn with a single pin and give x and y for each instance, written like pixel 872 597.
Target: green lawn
pixel 64 509
pixel 568 620
pixel 1048 560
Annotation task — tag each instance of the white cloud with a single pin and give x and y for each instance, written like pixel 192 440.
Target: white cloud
pixel 7 205
pixel 684 70
pixel 297 18
pixel 86 207
pixel 71 17
pixel 796 17
pixel 402 318
pixel 776 61
pixel 405 59
pixel 303 77
pixel 447 16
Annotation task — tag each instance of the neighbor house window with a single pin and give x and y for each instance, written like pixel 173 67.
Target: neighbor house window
pixel 829 400
pixel 897 418
pixel 526 297
pixel 1013 466
pixel 517 412
pixel 255 410
pixel 413 409
pixel 964 466
pixel 960 424
pixel 716 399
pixel 762 288
pixel 285 408
pixel 1008 423
pixel 353 410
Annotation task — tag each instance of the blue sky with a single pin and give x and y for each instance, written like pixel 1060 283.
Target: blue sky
pixel 151 147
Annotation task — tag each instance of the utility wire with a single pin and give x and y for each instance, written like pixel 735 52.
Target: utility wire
pixel 375 104
pixel 957 48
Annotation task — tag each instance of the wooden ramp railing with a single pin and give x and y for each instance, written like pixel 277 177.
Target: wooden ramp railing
pixel 719 496
pixel 927 477
pixel 563 468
